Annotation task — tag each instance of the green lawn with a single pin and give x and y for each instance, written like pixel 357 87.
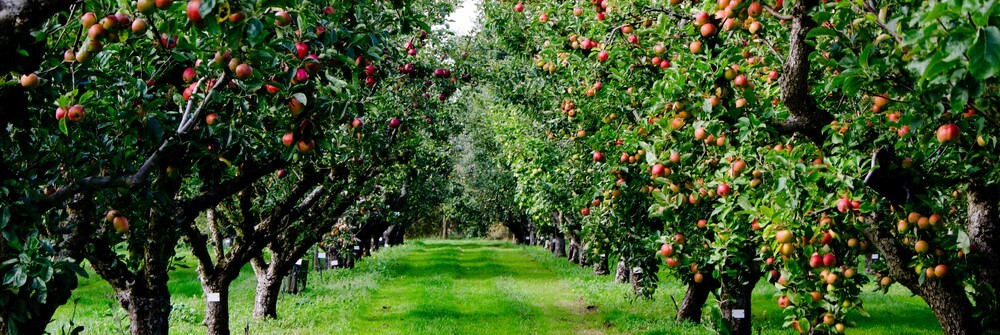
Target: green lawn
pixel 465 287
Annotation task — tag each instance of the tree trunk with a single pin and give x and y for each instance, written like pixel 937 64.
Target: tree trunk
pixel 559 246
pixel 635 278
pixel 444 227
pixel 573 255
pixel 601 265
pixel 736 307
pixel 691 307
pixel 622 272
pixel 216 308
pixel 582 256
pixel 148 310
pixel 984 236
pixel 265 302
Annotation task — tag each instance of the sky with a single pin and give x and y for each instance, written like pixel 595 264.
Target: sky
pixel 463 19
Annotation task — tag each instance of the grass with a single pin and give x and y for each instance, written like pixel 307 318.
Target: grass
pixel 463 287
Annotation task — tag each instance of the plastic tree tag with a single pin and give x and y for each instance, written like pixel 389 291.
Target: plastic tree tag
pixel 739 314
pixel 213 297
pixel 298 262
pixel 321 255
pixel 357 247
pixel 334 263
pixel 874 256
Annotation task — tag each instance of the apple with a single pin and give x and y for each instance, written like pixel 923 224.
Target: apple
pixel 357 123
pixel 96 31
pixel 664 64
pixel 827 238
pixel 784 302
pixel 188 92
pixel 69 55
pixel 29 80
pixel 755 225
pixel 754 9
pixel 624 158
pixel 145 6
pixel 755 27
pixel 816 260
pixel 329 10
pixel 701 18
pixel 301 76
pixel 783 236
pixel 829 260
pixel 111 215
pixel 577 11
pixel 921 246
pixel 701 224
pixel 120 223
pixel 395 123
pixel 370 70
pixel 189 75
pixel 667 250
pixel 301 50
pixel 659 49
pixel 700 134
pixel 695 47
pixel 61 113
pixel 844 205
pixel 773 75
pixel 698 277
pixel 305 147
pixel 598 156
pixel 543 18
pixel 657 170
pixel 947 133
pixel 679 239
pixel 88 19
pixel 282 18
pixel 708 29
pixel 913 217
pixel 519 7
pixel 271 89
pixel 239 16
pixel 282 173
pixel 192 10
pixel 602 56
pixel 288 139
pixel 164 4
pixel 600 16
pixel 723 190
pixel 139 26
pixel 243 71
pixel 740 81
pixel 76 113
pixel 940 270
pixel 672 262
pixel 585 211
pixel 210 119
pixel 295 106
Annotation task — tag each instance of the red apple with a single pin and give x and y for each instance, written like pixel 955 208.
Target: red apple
pixel 139 26
pixel 282 18
pixel 61 113
pixel 585 211
pixel 189 75
pixel 667 250
pixel 598 156
pixel 658 170
pixel 120 223
pixel 305 147
pixel 301 50
pixel 210 119
pixel 243 71
pixel 288 139
pixel 701 18
pixel 519 7
pixel 708 29
pixel 29 80
pixel 395 123
pixel 948 133
pixel 723 190
pixel 843 205
pixel 192 10
pixel 829 260
pixel 602 56
pixel 357 123
pixel 75 113
pixel 695 47
pixel 164 4
pixel 816 260
pixel 301 76
pixel 295 106
pixel 740 81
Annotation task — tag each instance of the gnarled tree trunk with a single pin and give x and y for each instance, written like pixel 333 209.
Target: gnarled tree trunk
pixel 697 294
pixel 622 272
pixel 216 308
pixel 601 265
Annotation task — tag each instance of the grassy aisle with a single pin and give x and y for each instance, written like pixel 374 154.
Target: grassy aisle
pixel 463 287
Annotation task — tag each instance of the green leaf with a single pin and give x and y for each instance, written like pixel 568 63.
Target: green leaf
pixel 821 31
pixel 984 55
pixel 4 217
pixel 255 31
pixel 301 97
pixel 62 126
pixel 205 10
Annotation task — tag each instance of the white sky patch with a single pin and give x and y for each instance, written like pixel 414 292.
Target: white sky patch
pixel 463 19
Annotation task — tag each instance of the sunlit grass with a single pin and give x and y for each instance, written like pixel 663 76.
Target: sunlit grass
pixel 464 287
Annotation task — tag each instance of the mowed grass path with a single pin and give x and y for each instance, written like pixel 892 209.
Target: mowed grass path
pixel 449 287
pixel 466 287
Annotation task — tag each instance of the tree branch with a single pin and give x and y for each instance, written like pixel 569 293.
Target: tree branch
pixel 806 115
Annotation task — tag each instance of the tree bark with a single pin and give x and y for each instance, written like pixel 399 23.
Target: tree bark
pixel 622 272
pixel 984 236
pixel 265 302
pixel 736 295
pixel 559 246
pixel 148 310
pixel 573 253
pixel 694 300
pixel 216 312
pixel 601 265
pixel 806 117
pixel 946 297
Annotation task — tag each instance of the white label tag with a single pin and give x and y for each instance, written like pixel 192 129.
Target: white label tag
pixel 321 255
pixel 298 262
pixel 603 255
pixel 380 239
pixel 334 263
pixel 739 314
pixel 357 247
pixel 874 256
pixel 213 297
